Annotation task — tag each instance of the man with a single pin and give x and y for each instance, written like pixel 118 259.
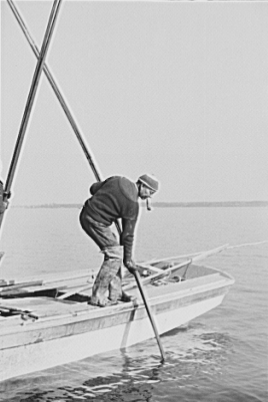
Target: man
pixel 112 199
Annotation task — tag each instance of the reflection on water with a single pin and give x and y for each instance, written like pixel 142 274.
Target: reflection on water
pixel 194 356
pixel 195 370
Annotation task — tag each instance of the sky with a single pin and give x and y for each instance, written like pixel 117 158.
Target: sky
pixel 175 89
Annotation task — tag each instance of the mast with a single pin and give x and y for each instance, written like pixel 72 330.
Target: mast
pixel 29 104
pixel 56 89
pixel 59 96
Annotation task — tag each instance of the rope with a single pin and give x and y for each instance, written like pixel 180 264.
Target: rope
pixel 248 244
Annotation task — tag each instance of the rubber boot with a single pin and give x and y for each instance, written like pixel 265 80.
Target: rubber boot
pixel 100 287
pixel 107 273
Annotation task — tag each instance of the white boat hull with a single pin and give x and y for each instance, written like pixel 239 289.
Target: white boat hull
pixel 54 341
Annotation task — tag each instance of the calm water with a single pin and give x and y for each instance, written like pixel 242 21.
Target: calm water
pixel 221 356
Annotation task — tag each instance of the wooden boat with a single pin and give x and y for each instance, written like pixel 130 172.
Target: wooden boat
pixel 48 323
pixel 41 327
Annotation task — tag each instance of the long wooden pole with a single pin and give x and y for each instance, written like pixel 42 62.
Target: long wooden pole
pixel 56 89
pixel 30 100
pixel 59 96
pixel 150 315
pixel 74 125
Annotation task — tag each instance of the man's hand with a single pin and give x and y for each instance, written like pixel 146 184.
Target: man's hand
pixel 131 266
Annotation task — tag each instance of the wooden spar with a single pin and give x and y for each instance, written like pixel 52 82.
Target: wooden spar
pixel 30 99
pixel 59 96
pixel 177 257
pixel 164 273
pixel 74 291
pixel 150 267
pixel 11 311
pixel 150 315
pixel 190 261
pixel 13 286
pixel 56 89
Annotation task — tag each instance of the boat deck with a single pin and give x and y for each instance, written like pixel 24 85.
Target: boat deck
pixel 34 303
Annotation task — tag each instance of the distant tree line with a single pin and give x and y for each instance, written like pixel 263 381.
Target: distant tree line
pixel 167 204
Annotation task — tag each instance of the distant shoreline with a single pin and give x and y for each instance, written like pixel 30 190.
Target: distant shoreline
pixel 167 204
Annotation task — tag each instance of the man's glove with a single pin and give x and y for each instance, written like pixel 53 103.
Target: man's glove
pixel 131 266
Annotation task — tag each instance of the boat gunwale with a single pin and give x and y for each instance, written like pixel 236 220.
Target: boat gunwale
pixel 84 315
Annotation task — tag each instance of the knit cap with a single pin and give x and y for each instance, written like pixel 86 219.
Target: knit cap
pixel 149 181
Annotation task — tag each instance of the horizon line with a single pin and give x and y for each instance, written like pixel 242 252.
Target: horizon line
pixel 155 204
